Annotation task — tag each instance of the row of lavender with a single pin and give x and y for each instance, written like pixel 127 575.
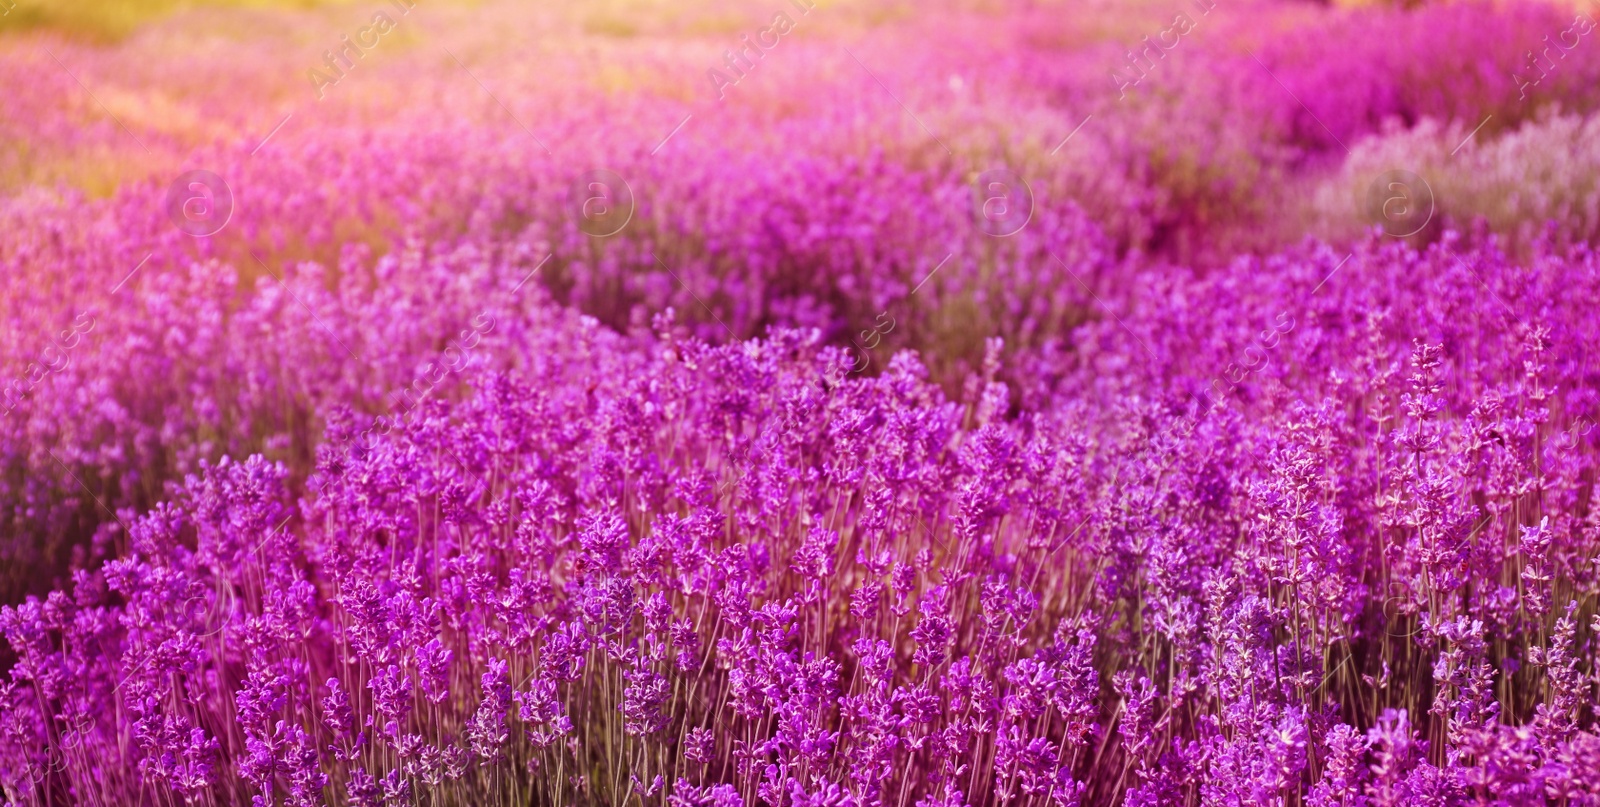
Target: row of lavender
pixel 1344 555
pixel 1183 127
pixel 750 214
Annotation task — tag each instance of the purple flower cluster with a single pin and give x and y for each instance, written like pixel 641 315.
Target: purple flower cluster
pixel 653 567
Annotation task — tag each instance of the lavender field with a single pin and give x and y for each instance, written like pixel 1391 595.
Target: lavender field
pixel 799 403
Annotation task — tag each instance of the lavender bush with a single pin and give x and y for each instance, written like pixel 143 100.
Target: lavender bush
pixel 1348 566
pixel 1533 185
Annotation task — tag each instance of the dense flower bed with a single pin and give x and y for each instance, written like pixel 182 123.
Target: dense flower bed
pixel 1338 552
pixel 813 483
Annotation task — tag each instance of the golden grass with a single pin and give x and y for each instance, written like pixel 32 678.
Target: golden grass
pixel 111 20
